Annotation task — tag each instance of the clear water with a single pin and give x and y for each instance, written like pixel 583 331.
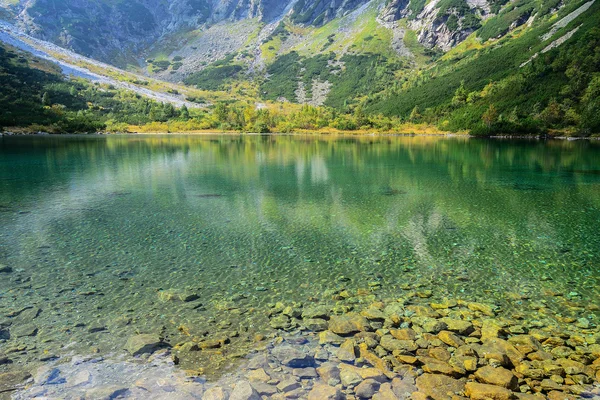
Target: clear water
pixel 99 230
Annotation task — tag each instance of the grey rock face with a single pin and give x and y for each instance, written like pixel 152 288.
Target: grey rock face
pixel 113 31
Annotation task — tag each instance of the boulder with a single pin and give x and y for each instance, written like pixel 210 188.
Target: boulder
pixel 348 324
pixel 451 339
pixel 459 326
pixel 485 309
pixel 244 391
pixel 346 352
pixel 264 389
pixel 145 343
pixel 292 357
pixel 349 377
pixel 497 376
pixel 11 381
pixel 287 385
pixel 439 387
pixel 480 391
pixel 391 344
pixel 366 389
pixel 325 392
pixel 215 393
pixel 5 269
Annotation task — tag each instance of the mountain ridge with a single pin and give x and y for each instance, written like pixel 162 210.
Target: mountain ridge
pixel 441 62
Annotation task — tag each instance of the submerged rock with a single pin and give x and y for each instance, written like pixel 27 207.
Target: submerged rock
pixel 366 389
pixel 480 391
pixel 348 324
pixel 145 343
pixel 325 392
pixel 244 391
pixel 497 376
pixel 5 269
pixel 439 386
pixel 292 357
pixel 215 393
pixel 13 380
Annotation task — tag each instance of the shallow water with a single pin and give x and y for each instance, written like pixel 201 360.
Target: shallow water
pixel 107 235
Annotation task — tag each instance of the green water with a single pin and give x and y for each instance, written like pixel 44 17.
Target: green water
pixel 96 227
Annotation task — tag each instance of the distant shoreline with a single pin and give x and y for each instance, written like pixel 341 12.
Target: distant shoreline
pixel 306 133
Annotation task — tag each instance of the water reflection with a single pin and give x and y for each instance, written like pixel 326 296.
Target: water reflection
pixel 128 217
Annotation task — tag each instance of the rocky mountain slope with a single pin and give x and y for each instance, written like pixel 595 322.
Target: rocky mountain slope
pixel 121 32
pixel 384 56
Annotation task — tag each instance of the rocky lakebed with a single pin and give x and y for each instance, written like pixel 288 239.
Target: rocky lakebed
pixel 354 345
pixel 277 267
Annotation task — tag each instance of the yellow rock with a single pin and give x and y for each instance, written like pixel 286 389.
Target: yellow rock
pixel 451 339
pixel 480 391
pixel 439 387
pixel 482 308
pixel 403 334
pixel 258 375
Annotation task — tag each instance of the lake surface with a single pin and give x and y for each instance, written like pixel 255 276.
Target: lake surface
pixel 201 235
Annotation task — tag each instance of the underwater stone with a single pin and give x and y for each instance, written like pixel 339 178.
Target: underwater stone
pixel 24 330
pixel 292 357
pixel 321 312
pixel 437 386
pixel 244 391
pixel 316 324
pixel 348 324
pixel 80 378
pixel 366 389
pixel 145 343
pixel 13 380
pixel 215 393
pixel 497 376
pixel 5 269
pixel 305 373
pixel 482 308
pixel 583 323
pixel 346 351
pixel 287 385
pixel 450 339
pixel 480 391
pixel 325 392
pixel 328 371
pixel 349 377
pixel 391 344
pixel 280 322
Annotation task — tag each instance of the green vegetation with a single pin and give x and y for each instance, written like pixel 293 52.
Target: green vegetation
pixel 555 91
pixel 216 75
pixel 499 25
pixel 415 7
pixel 351 76
pixel 213 78
pixel 34 94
